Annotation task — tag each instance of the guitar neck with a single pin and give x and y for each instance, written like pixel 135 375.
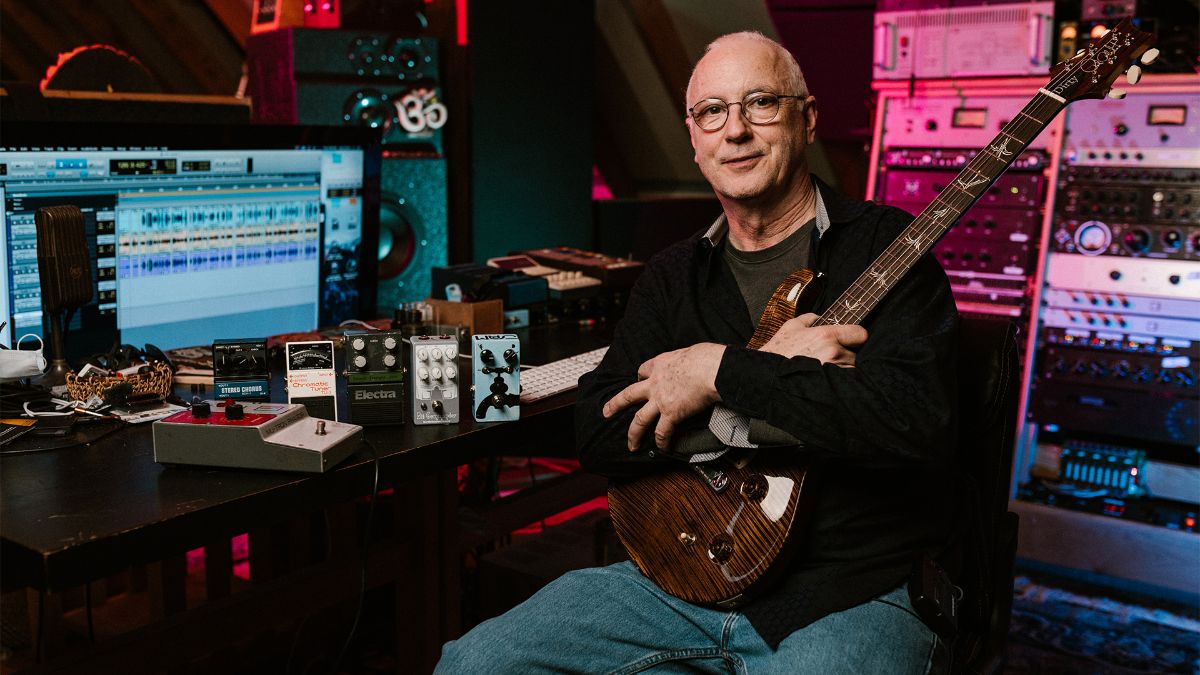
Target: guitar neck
pixel 936 220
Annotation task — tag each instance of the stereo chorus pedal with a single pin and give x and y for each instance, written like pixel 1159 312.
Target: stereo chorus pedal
pixel 241 370
pixel 278 436
pixel 311 379
pixel 496 375
pixel 434 379
pixel 374 377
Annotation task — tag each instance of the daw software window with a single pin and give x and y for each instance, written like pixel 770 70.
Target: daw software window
pixel 191 245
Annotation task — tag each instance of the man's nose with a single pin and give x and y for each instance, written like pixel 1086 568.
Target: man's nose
pixel 736 125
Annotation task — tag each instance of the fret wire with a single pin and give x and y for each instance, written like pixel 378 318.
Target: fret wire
pixel 900 256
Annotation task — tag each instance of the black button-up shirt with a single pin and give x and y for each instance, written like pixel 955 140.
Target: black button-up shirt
pixel 880 435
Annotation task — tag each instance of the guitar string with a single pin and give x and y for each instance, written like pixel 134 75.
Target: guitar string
pixel 898 257
pixel 859 288
pixel 893 265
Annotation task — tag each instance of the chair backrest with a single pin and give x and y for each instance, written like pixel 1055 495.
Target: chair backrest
pixel 989 388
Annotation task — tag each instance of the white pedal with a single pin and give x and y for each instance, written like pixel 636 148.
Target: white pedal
pixel 277 436
pixel 433 379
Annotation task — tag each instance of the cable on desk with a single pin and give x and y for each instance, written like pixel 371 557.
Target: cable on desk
pixel 362 589
pixel 72 444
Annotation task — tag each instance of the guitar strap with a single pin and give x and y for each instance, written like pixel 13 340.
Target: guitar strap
pixel 733 428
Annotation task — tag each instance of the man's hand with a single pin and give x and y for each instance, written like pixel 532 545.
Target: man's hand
pixel 675 385
pixel 827 344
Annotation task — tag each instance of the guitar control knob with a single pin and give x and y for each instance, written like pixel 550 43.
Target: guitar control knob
pixel 754 488
pixel 687 538
pixel 720 549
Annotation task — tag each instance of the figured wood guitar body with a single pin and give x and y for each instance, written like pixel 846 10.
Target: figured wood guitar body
pixel 716 543
pixel 719 538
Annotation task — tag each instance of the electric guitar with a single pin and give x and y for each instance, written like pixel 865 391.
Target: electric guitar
pixel 722 533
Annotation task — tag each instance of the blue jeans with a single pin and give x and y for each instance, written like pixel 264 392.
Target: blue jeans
pixel 614 620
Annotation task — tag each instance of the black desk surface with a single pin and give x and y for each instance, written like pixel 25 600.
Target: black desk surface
pixel 71 515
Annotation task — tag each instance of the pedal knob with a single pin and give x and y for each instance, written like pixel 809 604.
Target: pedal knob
pixel 360 361
pixel 358 344
pixel 754 488
pixel 200 408
pixel 510 355
pixel 720 549
pixel 451 372
pixel 389 360
pixel 487 356
pixel 389 343
pixel 438 407
pixel 235 411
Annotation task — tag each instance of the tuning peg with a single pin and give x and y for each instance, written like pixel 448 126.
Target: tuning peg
pixel 1150 55
pixel 1133 74
pixel 1117 93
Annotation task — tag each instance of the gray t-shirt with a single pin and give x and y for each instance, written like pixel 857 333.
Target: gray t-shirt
pixel 759 273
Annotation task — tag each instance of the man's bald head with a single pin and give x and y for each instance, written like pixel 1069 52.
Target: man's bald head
pixel 794 76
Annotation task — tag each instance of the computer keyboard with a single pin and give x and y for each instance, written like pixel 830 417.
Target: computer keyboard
pixel 539 382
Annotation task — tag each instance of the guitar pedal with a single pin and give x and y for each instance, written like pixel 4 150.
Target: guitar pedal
pixel 433 379
pixel 241 370
pixel 496 376
pixel 311 379
pixel 375 376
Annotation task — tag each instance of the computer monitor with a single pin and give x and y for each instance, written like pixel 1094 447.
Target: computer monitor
pixel 196 232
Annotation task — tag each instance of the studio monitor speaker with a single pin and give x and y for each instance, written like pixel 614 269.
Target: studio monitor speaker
pixel 363 78
pixel 412 228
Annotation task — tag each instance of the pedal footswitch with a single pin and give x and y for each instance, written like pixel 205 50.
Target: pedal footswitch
pixel 375 376
pixel 496 377
pixel 434 379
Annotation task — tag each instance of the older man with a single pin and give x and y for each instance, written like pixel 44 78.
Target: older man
pixel 871 407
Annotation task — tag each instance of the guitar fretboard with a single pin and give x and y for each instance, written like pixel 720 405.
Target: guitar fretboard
pixel 920 236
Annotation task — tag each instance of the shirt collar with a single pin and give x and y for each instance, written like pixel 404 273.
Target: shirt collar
pixel 720 226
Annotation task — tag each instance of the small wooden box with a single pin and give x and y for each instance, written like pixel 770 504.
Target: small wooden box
pixel 480 318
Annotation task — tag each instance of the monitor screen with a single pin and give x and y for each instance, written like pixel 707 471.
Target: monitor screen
pixel 196 232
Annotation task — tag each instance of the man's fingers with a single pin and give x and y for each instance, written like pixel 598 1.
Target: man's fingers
pixel 851 336
pixel 646 369
pixel 638 391
pixel 805 320
pixel 663 432
pixel 641 421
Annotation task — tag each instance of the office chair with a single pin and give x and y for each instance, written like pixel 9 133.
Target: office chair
pixel 989 387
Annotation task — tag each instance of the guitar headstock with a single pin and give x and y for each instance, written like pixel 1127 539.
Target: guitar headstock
pixel 1092 71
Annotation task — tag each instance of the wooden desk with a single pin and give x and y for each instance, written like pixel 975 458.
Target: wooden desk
pixel 79 514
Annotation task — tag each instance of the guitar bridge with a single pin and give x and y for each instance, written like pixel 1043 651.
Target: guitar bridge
pixel 716 479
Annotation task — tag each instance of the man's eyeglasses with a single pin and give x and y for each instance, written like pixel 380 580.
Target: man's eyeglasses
pixel 758 108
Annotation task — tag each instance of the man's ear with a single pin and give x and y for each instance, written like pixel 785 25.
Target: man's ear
pixel 810 118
